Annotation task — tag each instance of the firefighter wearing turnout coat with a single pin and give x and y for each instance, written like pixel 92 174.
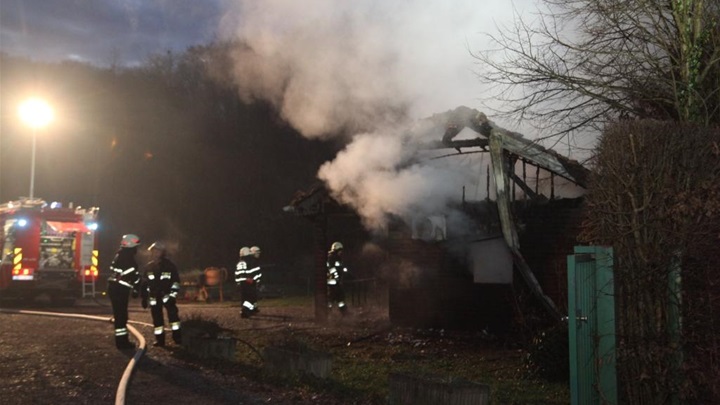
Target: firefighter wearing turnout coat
pixel 123 281
pixel 248 274
pixel 162 285
pixel 336 271
pixel 240 269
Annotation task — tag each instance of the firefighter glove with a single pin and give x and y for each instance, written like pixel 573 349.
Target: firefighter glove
pixel 144 302
pixel 166 298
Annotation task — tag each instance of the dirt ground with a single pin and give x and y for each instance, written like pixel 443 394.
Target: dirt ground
pixel 49 360
pixel 73 361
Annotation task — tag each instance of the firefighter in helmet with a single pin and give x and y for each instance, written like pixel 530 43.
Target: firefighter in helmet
pixel 336 271
pixel 162 288
pixel 248 275
pixel 123 282
pixel 240 269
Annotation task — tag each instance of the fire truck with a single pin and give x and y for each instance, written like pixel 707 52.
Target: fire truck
pixel 47 249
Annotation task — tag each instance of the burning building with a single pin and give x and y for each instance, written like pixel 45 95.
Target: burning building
pixel 452 256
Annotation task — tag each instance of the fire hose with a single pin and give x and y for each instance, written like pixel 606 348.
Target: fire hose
pixel 125 379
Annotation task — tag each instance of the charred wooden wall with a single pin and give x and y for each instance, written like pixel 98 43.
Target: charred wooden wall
pixel 548 234
pixel 431 289
pixel 452 303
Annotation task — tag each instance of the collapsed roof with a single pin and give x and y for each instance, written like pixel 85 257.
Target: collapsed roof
pixel 513 143
pixel 505 148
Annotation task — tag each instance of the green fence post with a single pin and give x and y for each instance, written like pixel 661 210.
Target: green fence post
pixel 572 330
pixel 591 326
pixel 605 299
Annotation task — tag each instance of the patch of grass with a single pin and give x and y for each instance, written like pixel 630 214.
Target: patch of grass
pixel 366 353
pixel 363 370
pixel 290 301
pixel 207 326
pixel 367 371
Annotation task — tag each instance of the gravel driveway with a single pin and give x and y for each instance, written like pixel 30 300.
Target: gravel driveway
pixel 48 360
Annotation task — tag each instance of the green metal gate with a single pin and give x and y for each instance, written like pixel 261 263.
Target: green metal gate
pixel 591 326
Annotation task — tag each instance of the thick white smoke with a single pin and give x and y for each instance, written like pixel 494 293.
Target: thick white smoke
pixel 382 173
pixel 367 68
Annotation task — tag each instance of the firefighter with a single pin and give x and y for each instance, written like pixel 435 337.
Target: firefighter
pixel 240 269
pixel 248 278
pixel 162 288
pixel 336 271
pixel 124 281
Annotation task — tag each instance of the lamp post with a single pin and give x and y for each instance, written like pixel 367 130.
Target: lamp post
pixel 37 114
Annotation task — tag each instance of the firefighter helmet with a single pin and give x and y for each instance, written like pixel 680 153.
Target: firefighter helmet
pixel 336 246
pixel 129 241
pixel 244 251
pixel 255 250
pixel 158 245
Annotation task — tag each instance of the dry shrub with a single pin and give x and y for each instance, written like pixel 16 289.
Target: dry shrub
pixel 548 355
pixel 655 198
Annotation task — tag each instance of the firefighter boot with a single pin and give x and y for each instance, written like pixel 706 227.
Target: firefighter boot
pixel 343 310
pixel 123 343
pixel 177 336
pixel 160 340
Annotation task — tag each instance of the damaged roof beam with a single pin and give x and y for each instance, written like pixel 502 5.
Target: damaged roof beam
pixel 523 186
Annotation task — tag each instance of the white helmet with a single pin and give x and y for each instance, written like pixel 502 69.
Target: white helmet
pixel 336 246
pixel 255 250
pixel 244 251
pixel 129 241
pixel 157 245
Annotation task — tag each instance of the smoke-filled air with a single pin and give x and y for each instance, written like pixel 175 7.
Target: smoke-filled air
pixel 368 71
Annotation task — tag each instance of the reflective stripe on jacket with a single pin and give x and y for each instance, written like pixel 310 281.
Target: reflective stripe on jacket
pixel 335 269
pixel 125 269
pixel 162 279
pixel 248 270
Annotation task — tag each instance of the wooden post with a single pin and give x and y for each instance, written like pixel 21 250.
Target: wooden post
pixel 487 182
pixel 524 176
pixel 513 161
pixel 320 258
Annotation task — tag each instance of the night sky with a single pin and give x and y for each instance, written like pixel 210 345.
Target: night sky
pixel 105 32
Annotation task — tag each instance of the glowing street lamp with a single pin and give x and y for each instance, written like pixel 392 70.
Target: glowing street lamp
pixel 37 114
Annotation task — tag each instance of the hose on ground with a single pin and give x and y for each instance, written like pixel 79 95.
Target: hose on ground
pixel 121 392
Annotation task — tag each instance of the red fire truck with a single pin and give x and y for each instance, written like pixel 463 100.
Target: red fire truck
pixel 47 249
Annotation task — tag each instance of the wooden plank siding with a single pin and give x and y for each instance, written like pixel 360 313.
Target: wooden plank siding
pixel 428 287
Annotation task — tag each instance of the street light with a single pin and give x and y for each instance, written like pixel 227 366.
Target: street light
pixel 37 114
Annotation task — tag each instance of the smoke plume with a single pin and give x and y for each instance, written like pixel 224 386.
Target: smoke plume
pixel 382 173
pixel 367 70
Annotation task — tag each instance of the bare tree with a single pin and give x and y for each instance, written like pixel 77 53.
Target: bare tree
pixel 582 63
